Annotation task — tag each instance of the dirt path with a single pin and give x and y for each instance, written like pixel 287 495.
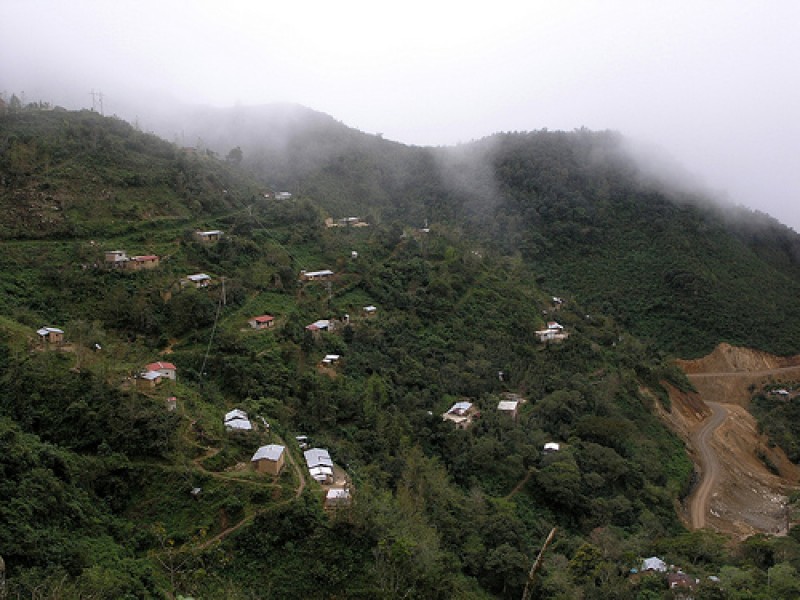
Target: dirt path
pixel 520 485
pixel 710 465
pixel 301 485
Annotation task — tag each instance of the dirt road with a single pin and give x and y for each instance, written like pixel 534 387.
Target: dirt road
pixel 709 464
pixel 745 480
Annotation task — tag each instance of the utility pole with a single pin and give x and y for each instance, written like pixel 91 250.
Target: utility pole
pixel 526 594
pixel 224 296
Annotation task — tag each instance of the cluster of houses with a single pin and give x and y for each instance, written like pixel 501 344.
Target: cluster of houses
pixel 321 469
pixel 118 259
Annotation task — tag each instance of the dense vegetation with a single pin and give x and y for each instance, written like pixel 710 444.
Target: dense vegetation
pixel 96 473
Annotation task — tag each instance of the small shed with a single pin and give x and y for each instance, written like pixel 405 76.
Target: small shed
pixel 337 498
pixel 509 407
pixel 319 325
pixel 330 359
pixel 208 236
pixel 137 263
pixel 461 413
pixel 51 335
pixel 370 310
pixel 552 447
pixel 262 322
pixel 269 459
pixel 198 280
pixel 316 275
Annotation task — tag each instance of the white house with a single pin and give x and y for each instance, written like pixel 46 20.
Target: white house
pixel 320 465
pixel 330 359
pixel 552 447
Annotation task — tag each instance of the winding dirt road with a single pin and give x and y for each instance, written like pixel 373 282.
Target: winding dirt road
pixel 710 466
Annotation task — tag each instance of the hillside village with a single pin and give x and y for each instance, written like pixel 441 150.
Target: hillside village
pixel 231 393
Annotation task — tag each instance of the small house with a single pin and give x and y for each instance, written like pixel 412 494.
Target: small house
pixel 237 420
pixel 337 498
pixel 116 259
pixel 198 280
pixel 172 404
pixel 269 459
pixel 283 195
pixel 320 465
pixel 461 413
pixel 149 379
pixel 138 263
pixel 51 335
pixel 316 275
pixel 319 325
pixel 509 407
pixel 551 447
pixel 654 564
pixel 208 236
pixel 262 322
pixel 370 310
pixel 167 369
pixel 330 359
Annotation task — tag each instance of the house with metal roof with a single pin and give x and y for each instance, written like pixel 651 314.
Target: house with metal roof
pixel 316 275
pixel 237 420
pixel 51 335
pixel 269 459
pixel 461 413
pixel 198 280
pixel 320 465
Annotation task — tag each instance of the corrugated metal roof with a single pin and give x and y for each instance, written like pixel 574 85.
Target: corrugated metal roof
pixel 271 452
pixel 236 413
pixel 316 457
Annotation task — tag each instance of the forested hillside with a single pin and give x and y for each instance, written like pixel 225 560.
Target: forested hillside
pixel 671 265
pixel 116 486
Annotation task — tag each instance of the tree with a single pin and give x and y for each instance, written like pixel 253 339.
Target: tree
pixel 235 156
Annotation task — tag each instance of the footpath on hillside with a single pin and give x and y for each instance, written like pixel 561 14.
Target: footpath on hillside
pixel 736 493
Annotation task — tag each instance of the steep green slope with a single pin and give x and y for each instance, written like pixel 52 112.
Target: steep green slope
pixel 97 465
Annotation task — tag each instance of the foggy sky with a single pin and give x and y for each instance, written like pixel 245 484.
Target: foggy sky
pixel 714 83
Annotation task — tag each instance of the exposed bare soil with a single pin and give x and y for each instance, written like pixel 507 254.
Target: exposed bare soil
pixel 736 493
